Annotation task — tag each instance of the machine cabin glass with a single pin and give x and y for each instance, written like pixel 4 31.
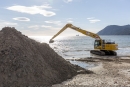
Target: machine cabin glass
pixel 97 43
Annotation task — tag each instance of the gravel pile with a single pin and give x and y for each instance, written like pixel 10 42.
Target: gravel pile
pixel 25 62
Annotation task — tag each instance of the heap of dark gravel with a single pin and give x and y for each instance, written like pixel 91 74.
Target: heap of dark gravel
pixel 25 62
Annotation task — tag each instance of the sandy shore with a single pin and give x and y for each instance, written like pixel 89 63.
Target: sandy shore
pixel 110 72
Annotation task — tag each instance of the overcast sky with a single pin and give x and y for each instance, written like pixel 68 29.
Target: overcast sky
pixel 47 17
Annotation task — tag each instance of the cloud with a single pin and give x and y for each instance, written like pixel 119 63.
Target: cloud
pixel 94 20
pixel 21 19
pixel 90 18
pixel 9 23
pixel 46 26
pixel 34 27
pixel 33 10
pixel 6 23
pixel 67 1
pixel 69 18
pixel 54 22
pixel 69 21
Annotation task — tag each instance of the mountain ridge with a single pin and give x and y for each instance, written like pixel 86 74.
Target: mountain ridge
pixel 115 30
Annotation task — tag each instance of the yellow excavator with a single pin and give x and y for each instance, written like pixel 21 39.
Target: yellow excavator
pixel 101 47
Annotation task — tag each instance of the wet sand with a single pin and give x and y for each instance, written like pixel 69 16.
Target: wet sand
pixel 111 71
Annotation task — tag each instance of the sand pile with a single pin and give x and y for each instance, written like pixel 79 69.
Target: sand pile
pixel 25 62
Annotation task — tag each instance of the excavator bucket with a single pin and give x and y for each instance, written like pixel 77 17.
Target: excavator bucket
pixel 51 41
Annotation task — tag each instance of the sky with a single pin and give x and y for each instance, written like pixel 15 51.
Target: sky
pixel 47 17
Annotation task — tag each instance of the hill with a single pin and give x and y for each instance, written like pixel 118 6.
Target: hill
pixel 27 63
pixel 115 30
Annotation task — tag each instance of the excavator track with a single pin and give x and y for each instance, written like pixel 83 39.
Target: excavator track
pixel 98 52
pixel 103 52
pixel 109 53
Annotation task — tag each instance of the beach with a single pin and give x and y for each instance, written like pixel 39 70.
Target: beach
pixel 108 72
pixel 28 63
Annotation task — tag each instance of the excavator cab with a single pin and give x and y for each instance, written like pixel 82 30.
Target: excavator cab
pixel 103 47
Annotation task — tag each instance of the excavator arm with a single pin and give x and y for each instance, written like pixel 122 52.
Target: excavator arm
pixel 100 46
pixel 77 29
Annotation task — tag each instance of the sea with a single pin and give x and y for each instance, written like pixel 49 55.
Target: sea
pixel 75 47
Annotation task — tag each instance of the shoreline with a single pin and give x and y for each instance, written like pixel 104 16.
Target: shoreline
pixel 109 72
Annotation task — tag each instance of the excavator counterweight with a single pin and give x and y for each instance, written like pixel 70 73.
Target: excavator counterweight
pixel 101 47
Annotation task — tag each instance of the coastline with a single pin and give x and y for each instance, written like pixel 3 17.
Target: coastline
pixel 109 72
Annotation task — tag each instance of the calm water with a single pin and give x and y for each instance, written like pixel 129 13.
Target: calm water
pixel 79 46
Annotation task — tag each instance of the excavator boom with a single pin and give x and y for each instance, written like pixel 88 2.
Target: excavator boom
pixel 101 47
pixel 77 29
